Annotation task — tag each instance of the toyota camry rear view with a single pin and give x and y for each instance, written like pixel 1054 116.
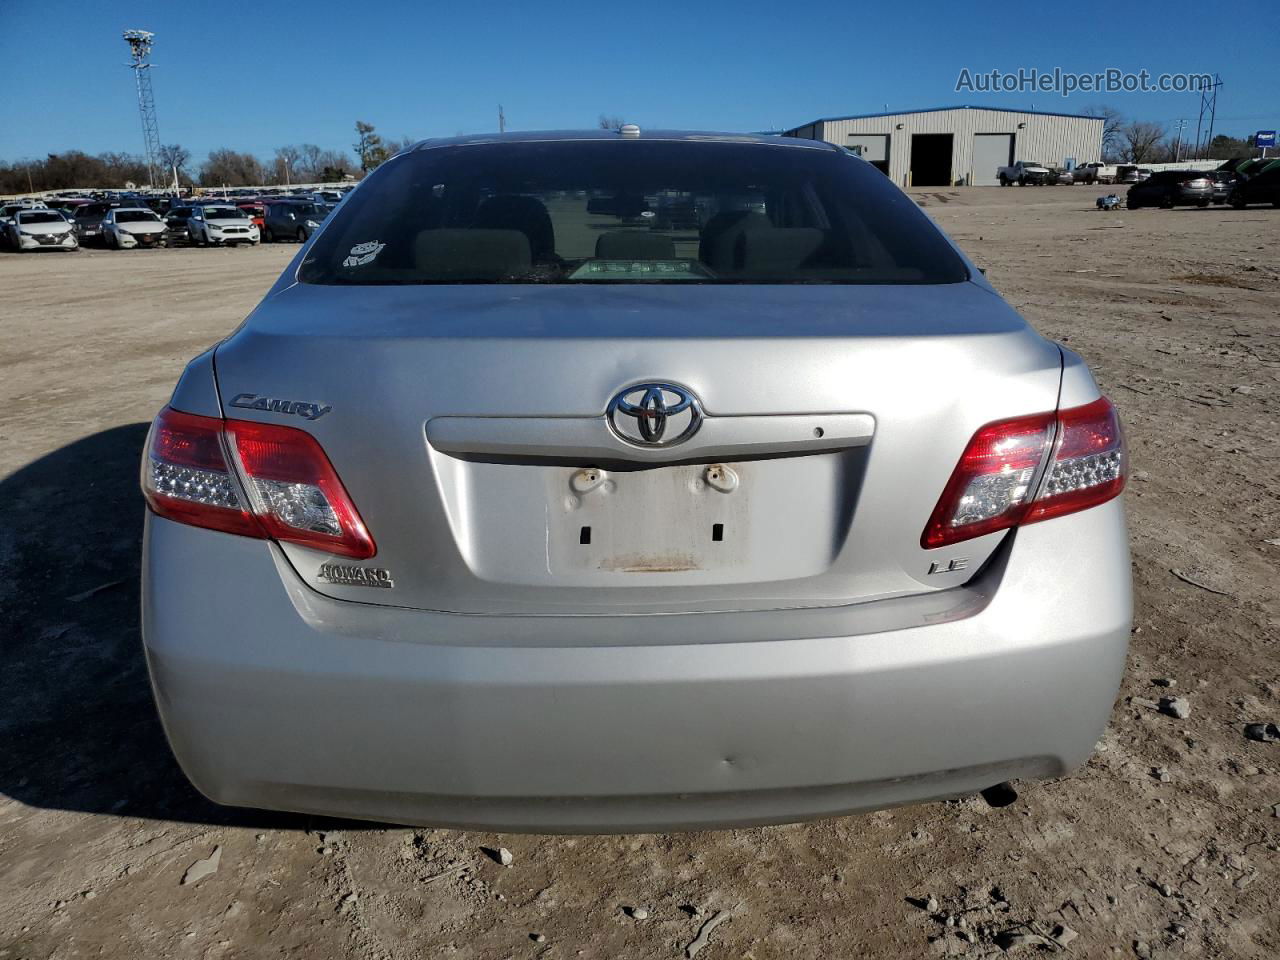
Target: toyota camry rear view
pixel 631 481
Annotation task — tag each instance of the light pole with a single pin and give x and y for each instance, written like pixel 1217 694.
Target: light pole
pixel 140 43
pixel 287 182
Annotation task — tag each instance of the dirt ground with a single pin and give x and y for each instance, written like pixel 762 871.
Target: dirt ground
pixel 1167 844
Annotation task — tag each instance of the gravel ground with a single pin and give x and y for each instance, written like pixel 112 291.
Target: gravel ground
pixel 1164 845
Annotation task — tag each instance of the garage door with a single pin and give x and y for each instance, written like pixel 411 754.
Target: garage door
pixel 990 152
pixel 873 147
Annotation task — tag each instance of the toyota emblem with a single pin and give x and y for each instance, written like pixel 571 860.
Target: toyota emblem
pixel 654 414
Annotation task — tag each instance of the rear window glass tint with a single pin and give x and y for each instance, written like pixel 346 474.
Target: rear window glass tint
pixel 618 211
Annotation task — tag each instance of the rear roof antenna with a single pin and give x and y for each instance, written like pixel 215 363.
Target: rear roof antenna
pixel 629 130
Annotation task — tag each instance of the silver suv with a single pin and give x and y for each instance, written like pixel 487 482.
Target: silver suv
pixel 518 503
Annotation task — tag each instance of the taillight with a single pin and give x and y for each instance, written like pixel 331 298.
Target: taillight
pixel 185 476
pixel 1028 469
pixel 253 479
pixel 293 489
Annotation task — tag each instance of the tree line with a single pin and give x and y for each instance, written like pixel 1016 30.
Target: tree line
pixel 1127 140
pixel 1124 140
pixel 293 163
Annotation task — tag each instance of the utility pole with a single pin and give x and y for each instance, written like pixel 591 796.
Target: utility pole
pixel 140 42
pixel 1177 140
pixel 1213 108
pixel 502 120
pixel 1209 105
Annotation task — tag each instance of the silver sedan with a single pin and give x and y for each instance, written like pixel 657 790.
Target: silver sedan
pixel 521 502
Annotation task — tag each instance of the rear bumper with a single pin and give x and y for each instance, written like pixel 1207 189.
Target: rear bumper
pixel 271 698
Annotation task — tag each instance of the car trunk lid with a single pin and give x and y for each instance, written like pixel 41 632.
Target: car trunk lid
pixel 470 425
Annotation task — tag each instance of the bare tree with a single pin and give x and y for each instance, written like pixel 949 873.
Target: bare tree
pixel 398 146
pixel 287 163
pixel 613 122
pixel 1113 120
pixel 1141 140
pixel 310 162
pixel 175 158
pixel 232 169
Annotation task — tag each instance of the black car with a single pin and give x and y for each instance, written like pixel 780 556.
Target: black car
pixel 1263 188
pixel 88 219
pixel 175 225
pixel 291 219
pixel 1171 188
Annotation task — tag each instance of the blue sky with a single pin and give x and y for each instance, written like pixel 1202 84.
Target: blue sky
pixel 252 76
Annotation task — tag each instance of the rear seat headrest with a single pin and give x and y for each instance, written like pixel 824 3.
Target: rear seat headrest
pixel 634 245
pixel 778 250
pixel 460 254
pixel 721 234
pixel 516 212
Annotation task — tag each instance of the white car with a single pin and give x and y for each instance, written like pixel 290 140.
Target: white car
pixel 210 225
pixel 37 228
pixel 127 227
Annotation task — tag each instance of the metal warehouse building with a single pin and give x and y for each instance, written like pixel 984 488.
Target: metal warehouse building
pixel 960 145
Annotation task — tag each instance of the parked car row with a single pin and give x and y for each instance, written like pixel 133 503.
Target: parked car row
pixel 1031 173
pixel 127 223
pixel 1247 184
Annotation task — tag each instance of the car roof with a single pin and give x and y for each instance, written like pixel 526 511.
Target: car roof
pixel 567 136
pixel 132 210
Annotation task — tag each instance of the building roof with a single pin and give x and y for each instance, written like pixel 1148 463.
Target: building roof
pixel 962 106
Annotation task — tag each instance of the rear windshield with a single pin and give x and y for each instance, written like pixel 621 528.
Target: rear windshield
pixel 629 212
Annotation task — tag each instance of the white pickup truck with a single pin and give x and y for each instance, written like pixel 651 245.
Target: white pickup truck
pixel 1095 173
pixel 1023 172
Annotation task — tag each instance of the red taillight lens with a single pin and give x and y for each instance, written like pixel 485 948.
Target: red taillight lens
pixel 1089 462
pixel 1028 469
pixel 294 491
pixel 185 476
pixel 286 488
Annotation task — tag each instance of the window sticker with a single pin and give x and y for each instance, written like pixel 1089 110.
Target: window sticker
pixel 363 253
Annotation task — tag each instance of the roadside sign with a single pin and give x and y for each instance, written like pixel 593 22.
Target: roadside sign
pixel 1264 138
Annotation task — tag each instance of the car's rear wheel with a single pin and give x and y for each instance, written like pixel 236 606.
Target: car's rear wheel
pixel 267 235
pixel 1004 181
pixel 1166 203
pixel 302 234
